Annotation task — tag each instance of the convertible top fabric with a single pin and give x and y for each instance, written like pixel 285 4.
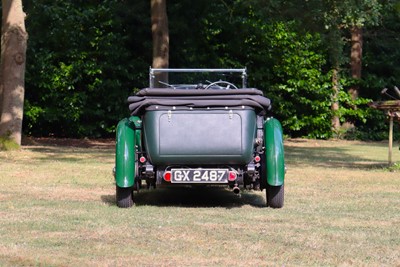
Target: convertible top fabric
pixel 196 98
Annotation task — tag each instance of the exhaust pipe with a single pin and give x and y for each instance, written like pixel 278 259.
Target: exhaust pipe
pixel 236 190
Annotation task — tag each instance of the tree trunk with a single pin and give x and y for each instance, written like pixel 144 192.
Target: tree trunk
pixel 356 59
pixel 160 34
pixel 13 53
pixel 335 102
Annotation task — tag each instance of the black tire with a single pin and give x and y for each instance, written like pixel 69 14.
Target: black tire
pixel 124 197
pixel 275 196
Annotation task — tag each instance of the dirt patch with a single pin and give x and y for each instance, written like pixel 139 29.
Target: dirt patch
pixel 68 142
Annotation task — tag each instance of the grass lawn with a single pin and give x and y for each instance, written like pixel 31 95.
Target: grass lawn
pixel 342 208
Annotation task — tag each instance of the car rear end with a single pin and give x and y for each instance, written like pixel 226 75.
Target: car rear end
pixel 207 136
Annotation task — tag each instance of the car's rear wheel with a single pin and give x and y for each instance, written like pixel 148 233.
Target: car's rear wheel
pixel 124 197
pixel 275 196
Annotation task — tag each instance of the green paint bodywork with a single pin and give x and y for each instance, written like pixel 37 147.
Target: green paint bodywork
pixel 129 136
pixel 128 139
pixel 274 152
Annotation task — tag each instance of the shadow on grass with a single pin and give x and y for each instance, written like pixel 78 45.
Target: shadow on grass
pixel 330 157
pixel 71 154
pixel 188 197
pixel 299 155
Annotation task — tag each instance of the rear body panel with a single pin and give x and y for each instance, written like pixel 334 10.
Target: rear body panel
pixel 200 136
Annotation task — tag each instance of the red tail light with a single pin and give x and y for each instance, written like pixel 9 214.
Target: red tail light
pixel 232 176
pixel 142 159
pixel 257 159
pixel 167 176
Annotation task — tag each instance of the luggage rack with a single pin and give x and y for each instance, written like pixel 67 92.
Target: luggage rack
pixel 152 72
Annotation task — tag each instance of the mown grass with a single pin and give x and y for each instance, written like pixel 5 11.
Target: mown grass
pixel 342 208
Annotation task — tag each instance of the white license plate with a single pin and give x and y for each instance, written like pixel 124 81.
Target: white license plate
pixel 206 176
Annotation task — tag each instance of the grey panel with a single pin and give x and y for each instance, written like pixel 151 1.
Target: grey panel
pixel 200 134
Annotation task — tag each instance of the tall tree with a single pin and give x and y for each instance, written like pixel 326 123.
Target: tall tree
pixel 160 33
pixel 338 17
pixel 357 15
pixel 356 58
pixel 332 22
pixel 13 52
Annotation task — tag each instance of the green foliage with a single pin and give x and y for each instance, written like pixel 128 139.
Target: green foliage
pixel 349 13
pixel 6 144
pixel 382 53
pixel 395 167
pixel 302 91
pixel 80 68
pixel 381 69
pixel 86 57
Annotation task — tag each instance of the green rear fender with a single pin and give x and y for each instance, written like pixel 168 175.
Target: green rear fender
pixel 127 139
pixel 274 153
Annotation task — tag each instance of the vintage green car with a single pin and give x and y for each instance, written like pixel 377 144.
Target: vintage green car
pixel 191 134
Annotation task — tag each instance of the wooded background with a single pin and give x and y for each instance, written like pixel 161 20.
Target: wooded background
pixel 320 62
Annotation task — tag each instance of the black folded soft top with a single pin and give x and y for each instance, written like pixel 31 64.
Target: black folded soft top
pixel 197 98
